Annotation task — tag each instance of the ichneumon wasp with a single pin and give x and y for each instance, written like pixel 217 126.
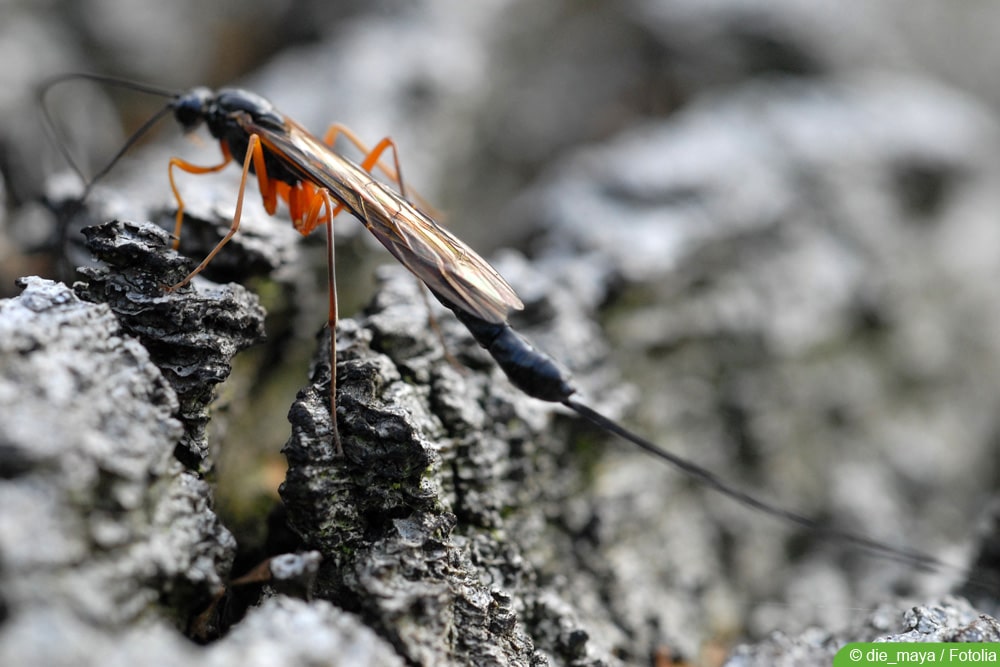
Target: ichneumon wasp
pixel 316 183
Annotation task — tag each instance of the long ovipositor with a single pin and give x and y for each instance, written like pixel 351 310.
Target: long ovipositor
pixel 539 375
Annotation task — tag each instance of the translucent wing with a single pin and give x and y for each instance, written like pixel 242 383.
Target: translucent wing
pixel 433 254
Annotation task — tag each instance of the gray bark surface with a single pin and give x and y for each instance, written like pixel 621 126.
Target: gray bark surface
pixel 762 233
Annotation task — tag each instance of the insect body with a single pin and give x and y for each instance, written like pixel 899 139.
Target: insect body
pixel 305 172
pixel 292 164
pixel 316 183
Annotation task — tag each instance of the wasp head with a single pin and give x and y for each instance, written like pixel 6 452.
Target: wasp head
pixel 193 107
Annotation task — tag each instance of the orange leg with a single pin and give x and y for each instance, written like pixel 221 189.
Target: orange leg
pixel 306 202
pixel 301 196
pixel 332 320
pixel 269 190
pixel 191 169
pixel 371 155
pixel 255 154
pixel 372 161
pixel 303 207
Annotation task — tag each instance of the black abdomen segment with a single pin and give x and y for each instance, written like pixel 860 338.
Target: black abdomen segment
pixel 533 372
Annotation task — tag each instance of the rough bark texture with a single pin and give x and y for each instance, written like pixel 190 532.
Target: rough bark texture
pixel 101 525
pixel 948 620
pixel 441 526
pixel 191 334
pixel 759 232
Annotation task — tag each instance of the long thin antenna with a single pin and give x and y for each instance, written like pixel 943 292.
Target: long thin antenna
pixel 150 122
pixel 109 80
pixel 52 130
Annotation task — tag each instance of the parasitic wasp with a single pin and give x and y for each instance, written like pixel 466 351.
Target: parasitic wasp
pixel 316 183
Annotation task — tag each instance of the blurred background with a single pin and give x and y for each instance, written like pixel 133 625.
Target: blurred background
pixel 788 209
pixel 481 99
